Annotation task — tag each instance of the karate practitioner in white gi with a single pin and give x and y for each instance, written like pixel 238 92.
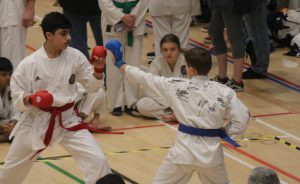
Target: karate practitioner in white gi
pixel 9 116
pixel 44 88
pixel 170 16
pixel 15 17
pixel 127 25
pixel 200 106
pixel 170 63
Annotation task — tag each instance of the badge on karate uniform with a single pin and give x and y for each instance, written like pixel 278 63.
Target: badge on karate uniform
pixel 72 79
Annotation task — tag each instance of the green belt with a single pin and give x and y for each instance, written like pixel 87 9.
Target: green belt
pixel 127 6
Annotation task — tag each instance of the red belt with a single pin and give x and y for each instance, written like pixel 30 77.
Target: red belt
pixel 57 111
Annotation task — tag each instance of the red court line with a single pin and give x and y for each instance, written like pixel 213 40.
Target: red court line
pixel 144 126
pixel 273 114
pixel 263 162
pixel 30 48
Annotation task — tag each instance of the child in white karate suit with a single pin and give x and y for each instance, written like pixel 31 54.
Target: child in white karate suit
pixel 200 106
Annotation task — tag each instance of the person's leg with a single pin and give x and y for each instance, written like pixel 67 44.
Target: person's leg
pixel 181 28
pixel 256 26
pixel 150 108
pixel 170 173
pixel 86 151
pixel 18 161
pixel 114 79
pixel 78 32
pixel 215 175
pixel 12 43
pixel 132 57
pixel 234 25
pixel 216 30
pixel 95 22
pixel 94 103
pixel 161 27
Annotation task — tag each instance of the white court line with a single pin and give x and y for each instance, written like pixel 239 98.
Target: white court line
pixel 277 129
pixel 226 154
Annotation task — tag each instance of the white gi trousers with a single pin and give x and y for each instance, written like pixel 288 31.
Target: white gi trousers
pixel 176 24
pixel 170 173
pixel 81 145
pixel 12 43
pixel 93 103
pixel 148 107
pixel 119 91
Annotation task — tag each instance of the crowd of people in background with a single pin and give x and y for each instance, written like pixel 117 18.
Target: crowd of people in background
pixel 251 30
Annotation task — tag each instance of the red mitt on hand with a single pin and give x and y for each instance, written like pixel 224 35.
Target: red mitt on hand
pixel 41 99
pixel 98 52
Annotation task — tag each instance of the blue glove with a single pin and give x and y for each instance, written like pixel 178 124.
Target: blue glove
pixel 115 47
pixel 119 63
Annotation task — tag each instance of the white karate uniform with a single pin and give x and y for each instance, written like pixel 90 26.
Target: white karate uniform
pixel 152 105
pixel 12 32
pixel 59 76
pixel 200 103
pixel 92 102
pixel 7 110
pixel 119 91
pixel 170 16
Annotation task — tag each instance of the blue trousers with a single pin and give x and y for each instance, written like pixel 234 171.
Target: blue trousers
pixel 79 30
pixel 256 27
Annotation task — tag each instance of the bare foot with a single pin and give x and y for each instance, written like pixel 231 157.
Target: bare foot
pixel 169 118
pixel 96 124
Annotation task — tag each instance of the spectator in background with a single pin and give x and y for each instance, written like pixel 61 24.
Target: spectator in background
pixel 125 21
pixel 80 13
pixel 170 63
pixel 224 17
pixel 262 175
pixel 171 16
pixel 9 116
pixel 15 18
pixel 257 29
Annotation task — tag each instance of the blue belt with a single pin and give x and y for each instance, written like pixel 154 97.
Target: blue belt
pixel 207 133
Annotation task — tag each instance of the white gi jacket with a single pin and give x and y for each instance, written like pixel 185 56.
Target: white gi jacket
pixel 7 110
pixel 111 15
pixel 57 75
pixel 200 103
pixel 160 67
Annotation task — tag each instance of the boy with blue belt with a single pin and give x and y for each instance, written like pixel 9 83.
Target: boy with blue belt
pixel 200 105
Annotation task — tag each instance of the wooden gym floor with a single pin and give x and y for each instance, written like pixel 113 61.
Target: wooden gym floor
pixel 271 140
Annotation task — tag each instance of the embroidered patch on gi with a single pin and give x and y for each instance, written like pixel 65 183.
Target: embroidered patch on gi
pixel 183 70
pixel 72 79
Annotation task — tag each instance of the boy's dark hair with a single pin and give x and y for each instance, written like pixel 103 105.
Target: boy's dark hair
pixel 170 38
pixel 199 59
pixel 54 21
pixel 5 65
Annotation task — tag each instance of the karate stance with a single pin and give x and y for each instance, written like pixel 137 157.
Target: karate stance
pixel 44 87
pixel 200 106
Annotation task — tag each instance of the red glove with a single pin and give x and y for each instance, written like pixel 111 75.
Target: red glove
pixel 99 52
pixel 41 99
